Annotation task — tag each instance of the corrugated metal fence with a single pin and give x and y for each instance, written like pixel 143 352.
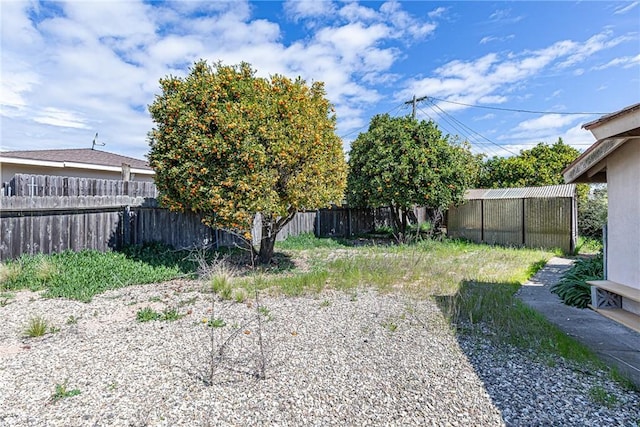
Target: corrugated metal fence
pixel 536 217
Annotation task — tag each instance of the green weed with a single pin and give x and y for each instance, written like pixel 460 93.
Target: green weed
pixel 216 323
pixel 147 314
pixel 37 327
pixel 72 320
pixel 61 392
pixel 600 396
pixel 263 310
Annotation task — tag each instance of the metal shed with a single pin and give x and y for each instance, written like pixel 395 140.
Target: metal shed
pixel 535 217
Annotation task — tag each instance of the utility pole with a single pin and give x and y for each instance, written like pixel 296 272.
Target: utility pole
pixel 414 104
pixel 413 110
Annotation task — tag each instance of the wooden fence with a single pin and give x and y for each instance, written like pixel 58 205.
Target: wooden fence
pixel 48 185
pixel 51 224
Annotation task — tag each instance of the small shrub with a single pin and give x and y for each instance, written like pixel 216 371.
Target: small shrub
pixel 147 314
pixel 36 327
pixel 221 285
pixel 572 288
pixel 239 295
pixel 9 273
pixel 61 392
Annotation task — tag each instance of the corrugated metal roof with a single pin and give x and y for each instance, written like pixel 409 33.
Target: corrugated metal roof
pixel 549 191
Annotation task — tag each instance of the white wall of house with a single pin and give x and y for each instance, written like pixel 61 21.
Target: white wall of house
pixel 9 170
pixel 623 235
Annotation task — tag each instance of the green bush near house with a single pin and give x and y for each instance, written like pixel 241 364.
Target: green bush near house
pixel 573 288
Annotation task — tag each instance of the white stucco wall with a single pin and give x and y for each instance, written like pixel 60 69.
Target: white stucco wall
pixel 623 240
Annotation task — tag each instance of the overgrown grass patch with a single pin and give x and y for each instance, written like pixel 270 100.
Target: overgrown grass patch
pixel 310 241
pixel 492 310
pixel 81 275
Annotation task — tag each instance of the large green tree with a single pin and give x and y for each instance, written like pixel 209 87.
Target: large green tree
pixel 400 162
pixel 541 165
pixel 229 145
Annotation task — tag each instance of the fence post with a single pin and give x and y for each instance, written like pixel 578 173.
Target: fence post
pixel 318 223
pixel 126 226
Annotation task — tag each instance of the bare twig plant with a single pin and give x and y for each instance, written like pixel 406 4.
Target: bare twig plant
pixel 227 340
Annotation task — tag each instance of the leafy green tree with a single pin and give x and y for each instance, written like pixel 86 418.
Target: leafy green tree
pixel 592 213
pixel 541 165
pixel 400 163
pixel 229 146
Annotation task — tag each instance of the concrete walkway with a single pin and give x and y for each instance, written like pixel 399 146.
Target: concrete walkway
pixel 614 343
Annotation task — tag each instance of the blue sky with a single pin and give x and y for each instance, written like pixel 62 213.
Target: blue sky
pixel 71 69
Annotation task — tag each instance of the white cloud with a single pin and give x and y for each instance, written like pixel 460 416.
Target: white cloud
pixel 303 9
pixel 61 118
pixel 555 94
pixel 504 16
pixel 487 116
pixel 577 137
pixel 489 39
pixel 546 122
pixel 624 62
pixel 626 7
pixel 82 67
pixel 403 22
pixel 437 13
pixel 497 75
pixel 594 44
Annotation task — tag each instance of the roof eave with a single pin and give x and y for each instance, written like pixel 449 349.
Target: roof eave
pixel 71 165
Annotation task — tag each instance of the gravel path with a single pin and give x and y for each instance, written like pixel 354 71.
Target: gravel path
pixel 335 358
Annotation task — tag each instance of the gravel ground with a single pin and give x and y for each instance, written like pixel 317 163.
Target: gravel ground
pixel 335 358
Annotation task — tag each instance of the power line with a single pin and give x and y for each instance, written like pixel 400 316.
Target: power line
pixel 473 131
pixel 431 98
pixel 397 107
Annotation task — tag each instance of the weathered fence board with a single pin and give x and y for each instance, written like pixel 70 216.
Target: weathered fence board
pixel 48 185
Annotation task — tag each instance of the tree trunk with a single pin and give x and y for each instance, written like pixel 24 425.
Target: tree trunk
pixel 400 223
pixel 270 228
pixel 266 249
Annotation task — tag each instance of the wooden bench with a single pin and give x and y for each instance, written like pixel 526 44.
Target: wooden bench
pixel 607 299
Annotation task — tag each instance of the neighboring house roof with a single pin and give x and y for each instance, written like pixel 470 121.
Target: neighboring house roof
pixel 549 191
pixel 84 158
pixel 612 131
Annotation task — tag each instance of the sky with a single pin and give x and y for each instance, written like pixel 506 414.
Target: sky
pixel 502 75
